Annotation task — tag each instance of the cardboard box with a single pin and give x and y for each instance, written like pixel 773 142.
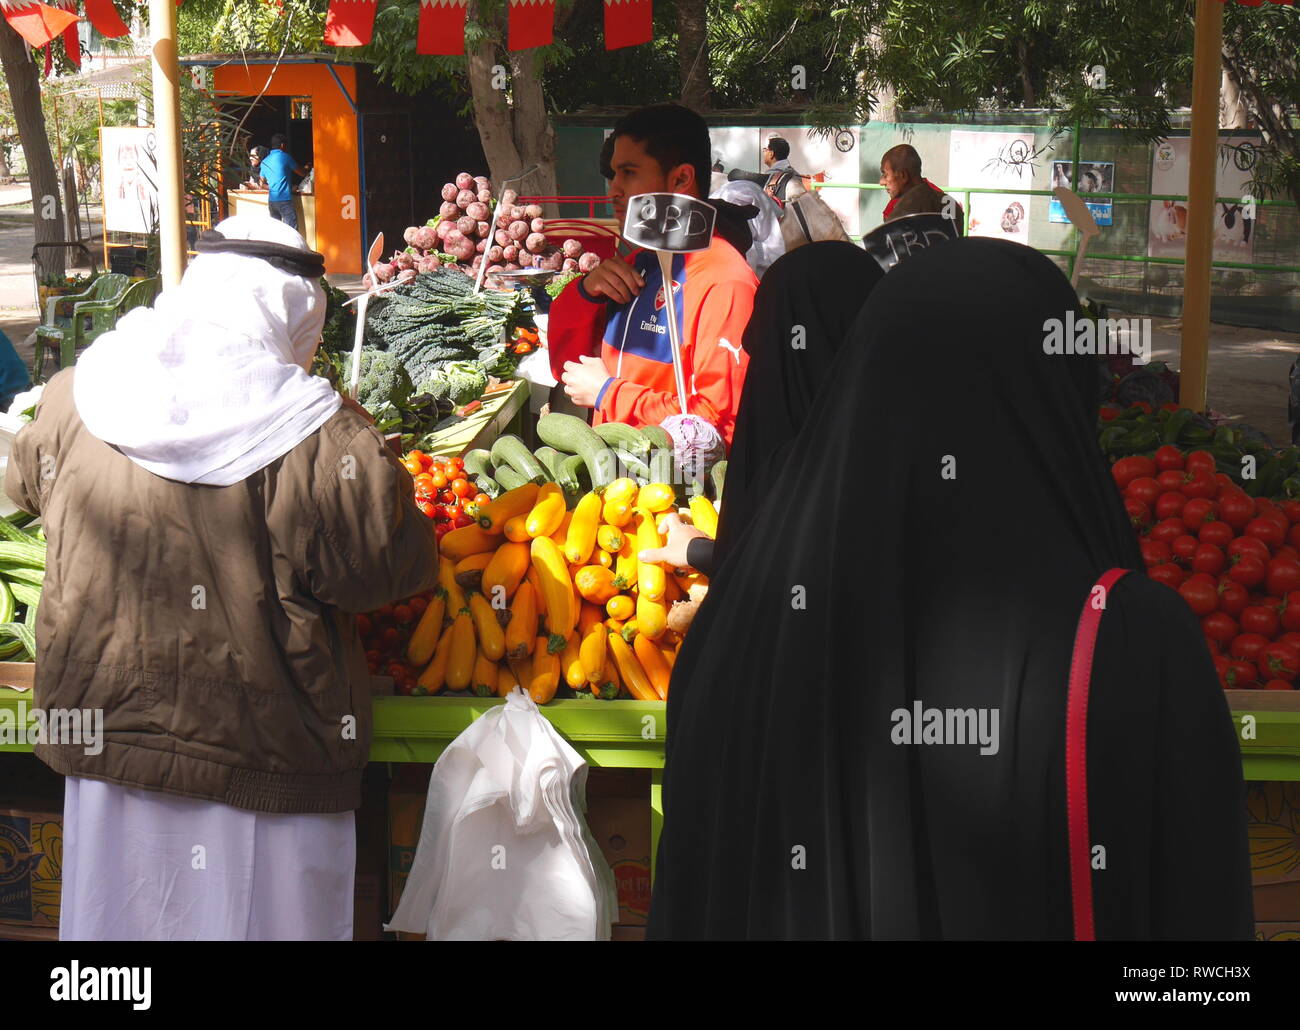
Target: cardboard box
pixel 618 813
pixel 1277 931
pixel 406 800
pixel 1274 832
pixel 31 866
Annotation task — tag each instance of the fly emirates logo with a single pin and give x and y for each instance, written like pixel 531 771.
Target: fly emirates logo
pixel 99 983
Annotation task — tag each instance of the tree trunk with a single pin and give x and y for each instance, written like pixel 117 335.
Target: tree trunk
pixel 1232 107
pixel 491 112
pixel 884 98
pixel 534 135
pixel 1027 94
pixel 693 54
pixel 25 94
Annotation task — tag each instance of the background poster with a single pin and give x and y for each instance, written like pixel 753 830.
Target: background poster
pixel 988 160
pixel 130 168
pixel 1094 177
pixel 1233 231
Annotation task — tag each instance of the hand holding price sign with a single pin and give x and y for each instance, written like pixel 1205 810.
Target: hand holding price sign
pixel 670 223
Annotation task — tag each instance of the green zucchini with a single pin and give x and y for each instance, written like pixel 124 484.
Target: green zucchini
pixel 623 438
pixel 476 462
pixel 718 474
pixel 508 477
pixel 571 435
pixel 510 450
pixel 573 466
pixel 487 484
pixel 658 436
pixel 550 460
pixel 634 468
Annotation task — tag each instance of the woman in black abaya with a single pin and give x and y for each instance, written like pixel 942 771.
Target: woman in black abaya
pixel 950 513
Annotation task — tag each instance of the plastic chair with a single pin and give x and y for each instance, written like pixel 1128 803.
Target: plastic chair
pixel 91 318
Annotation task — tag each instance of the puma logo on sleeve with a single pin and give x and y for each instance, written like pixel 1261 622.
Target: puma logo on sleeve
pixel 728 345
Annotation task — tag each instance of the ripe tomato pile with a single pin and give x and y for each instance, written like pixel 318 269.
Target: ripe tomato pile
pixel 385 633
pixel 1235 559
pixel 443 491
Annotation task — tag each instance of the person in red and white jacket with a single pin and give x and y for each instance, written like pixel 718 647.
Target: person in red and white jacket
pixel 608 330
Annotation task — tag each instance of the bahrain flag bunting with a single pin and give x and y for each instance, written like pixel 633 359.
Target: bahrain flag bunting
pixel 37 23
pixel 103 15
pixel 350 22
pixel 628 23
pixel 442 27
pixel 532 23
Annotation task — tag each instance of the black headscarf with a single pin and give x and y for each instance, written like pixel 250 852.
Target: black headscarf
pixel 876 581
pixel 819 287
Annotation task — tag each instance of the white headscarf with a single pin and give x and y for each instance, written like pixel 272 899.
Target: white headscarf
pixel 211 384
pixel 768 244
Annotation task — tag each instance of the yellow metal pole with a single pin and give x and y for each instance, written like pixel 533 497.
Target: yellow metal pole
pixel 167 127
pixel 1202 166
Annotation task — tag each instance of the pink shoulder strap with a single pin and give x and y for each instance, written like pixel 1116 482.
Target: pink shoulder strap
pixel 1076 753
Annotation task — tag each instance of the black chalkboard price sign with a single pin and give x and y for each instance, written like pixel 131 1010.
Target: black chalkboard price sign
pixel 670 222
pixel 899 239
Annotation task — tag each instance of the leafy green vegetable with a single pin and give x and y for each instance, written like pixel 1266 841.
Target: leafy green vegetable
pixel 384 381
pixel 556 286
pixel 466 380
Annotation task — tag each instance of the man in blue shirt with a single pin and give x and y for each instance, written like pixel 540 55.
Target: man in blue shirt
pixel 275 169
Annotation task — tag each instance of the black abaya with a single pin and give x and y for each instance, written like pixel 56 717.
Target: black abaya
pixel 952 511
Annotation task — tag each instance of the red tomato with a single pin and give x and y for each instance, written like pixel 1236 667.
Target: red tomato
pixel 1225 482
pixel 1289 638
pixel 1201 484
pixel 1208 558
pixel 1263 504
pixel 1291 509
pixel 402 613
pixel 1279 516
pixel 426 509
pixel 1197 511
pixel 421 457
pixel 452 512
pixel 418 604
pixel 1169 505
pixel 1287 551
pixel 447 497
pixel 1215 532
pixel 384 611
pixel 1200 461
pixel 1169 457
pixel 390 637
pixel 1278 685
pixel 1155 552
pixel 363 625
pixel 1168 530
pixel 1233 597
pixel 1169 574
pixel 1247 570
pixel 442 529
pixel 1241 674
pixel 1108 413
pixel 1248 646
pixel 1261 620
pixel 461 487
pixel 1249 545
pixel 1200 596
pixel 1171 482
pixel 1142 406
pixel 1236 508
pixel 1266 530
pixel 1279 661
pixel 463 520
pixel 1282 575
pixel 1293 536
pixel 1290 615
pixel 1219 627
pixel 1138 513
pixel 1126 470
pixel 1144 489
pixel 1184 548
pixel 482 499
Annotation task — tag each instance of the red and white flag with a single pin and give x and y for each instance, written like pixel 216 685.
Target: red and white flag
pixel 628 23
pixel 37 23
pixel 442 27
pixel 350 22
pixel 532 23
pixel 103 15
pixel 71 38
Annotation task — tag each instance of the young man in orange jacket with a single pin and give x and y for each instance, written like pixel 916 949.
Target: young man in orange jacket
pixel 608 331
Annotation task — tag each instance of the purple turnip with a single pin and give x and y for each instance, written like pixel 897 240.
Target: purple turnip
pixel 483 229
pixel 588 262
pixel 510 253
pixel 477 211
pixel 536 242
pixel 409 235
pixel 494 254
pixel 533 211
pixel 570 265
pixel 538 225
pixel 571 248
pixel 484 196
pixel 449 191
pixel 518 230
pixel 502 237
pixel 426 238
pixel 465 198
pixel 449 209
pixel 508 197
pixel 384 271
pixel 464 181
pixel 466 225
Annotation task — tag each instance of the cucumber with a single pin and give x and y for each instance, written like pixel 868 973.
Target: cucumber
pixel 571 435
pixel 22 573
pixel 25 593
pixel 658 436
pixel 510 450
pixel 23 633
pixel 550 459
pixel 31 552
pixel 10 648
pixel 7 603
pixel 718 474
pixel 624 439
pixel 508 477
pixel 476 462
pixel 9 531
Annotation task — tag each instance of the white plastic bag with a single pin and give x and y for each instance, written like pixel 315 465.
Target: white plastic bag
pixel 504 852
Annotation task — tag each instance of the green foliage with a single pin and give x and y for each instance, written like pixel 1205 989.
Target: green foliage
pixel 384 381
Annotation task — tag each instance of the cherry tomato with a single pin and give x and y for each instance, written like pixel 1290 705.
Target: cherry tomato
pixel 373 656
pixel 402 613
pixel 1139 514
pixel 1236 508
pixel 1168 530
pixel 1261 620
pixel 1249 545
pixel 1267 531
pixel 452 512
pixel 1169 457
pixel 384 611
pixel 1169 574
pixel 1233 597
pixel 1200 461
pixel 390 637
pixel 1200 596
pixel 1144 489
pixel 1208 558
pixel 419 456
pixel 413 465
pixel 461 487
pixel 426 509
pixel 1196 511
pixel 1279 661
pixel 1155 552
pixel 1201 484
pixel 1247 570
pixel 1108 413
pixel 1184 548
pixel 439 480
pixel 463 520
pixel 1128 469
pixel 363 625
pixel 1219 627
pixel 482 499
pixel 418 604
pixel 1282 575
pixel 447 497
pixel 1215 532
pixel 1247 646
pixel 456 463
pixel 1142 406
pixel 442 529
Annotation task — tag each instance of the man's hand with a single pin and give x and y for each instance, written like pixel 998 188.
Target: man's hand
pixel 583 379
pixel 613 278
pixel 678 536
